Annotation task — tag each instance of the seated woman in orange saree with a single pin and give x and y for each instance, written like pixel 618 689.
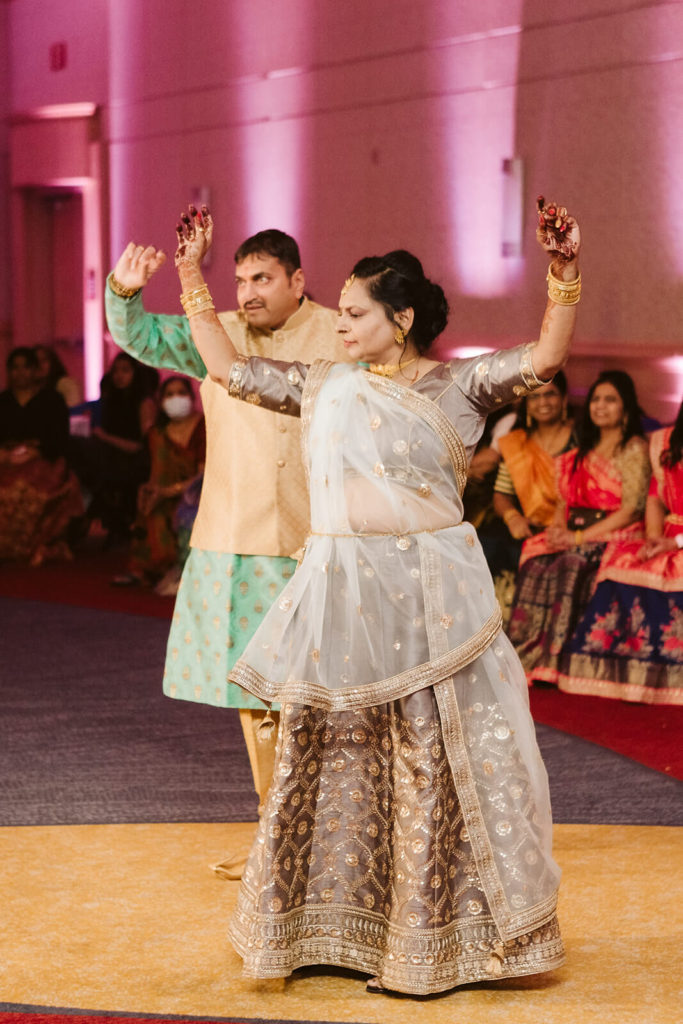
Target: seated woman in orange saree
pixel 602 487
pixel 629 643
pixel 525 491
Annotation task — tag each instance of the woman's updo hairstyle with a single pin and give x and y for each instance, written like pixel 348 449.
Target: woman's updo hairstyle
pixel 398 281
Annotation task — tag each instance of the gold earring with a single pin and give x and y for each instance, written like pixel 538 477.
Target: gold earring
pixel 399 337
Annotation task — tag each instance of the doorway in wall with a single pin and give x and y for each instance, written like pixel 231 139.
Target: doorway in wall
pixel 53 314
pixel 58 198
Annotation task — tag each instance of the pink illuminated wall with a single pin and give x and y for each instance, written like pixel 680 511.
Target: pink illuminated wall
pixel 368 124
pixel 5 298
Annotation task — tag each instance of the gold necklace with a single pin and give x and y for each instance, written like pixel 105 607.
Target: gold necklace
pixel 388 369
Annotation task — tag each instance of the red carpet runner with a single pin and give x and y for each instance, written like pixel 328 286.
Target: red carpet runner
pixel 651 735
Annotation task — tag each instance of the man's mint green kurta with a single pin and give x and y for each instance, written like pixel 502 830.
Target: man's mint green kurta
pixel 253 512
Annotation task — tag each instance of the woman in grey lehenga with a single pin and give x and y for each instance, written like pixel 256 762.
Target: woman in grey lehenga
pixel 407 832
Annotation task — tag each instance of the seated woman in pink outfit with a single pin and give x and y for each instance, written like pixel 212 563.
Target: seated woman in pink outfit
pixel 629 643
pixel 603 486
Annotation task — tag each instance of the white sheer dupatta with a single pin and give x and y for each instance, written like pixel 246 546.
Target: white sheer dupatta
pixel 393 595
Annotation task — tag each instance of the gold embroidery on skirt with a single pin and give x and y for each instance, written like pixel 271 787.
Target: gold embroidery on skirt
pixel 362 859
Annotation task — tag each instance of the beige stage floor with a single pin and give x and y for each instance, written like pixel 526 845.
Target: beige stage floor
pixel 129 918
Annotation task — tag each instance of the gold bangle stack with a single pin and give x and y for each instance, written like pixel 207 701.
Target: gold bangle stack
pixel 197 301
pixel 565 293
pixel 120 289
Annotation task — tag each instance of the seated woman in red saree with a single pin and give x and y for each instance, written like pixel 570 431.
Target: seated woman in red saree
pixel 39 495
pixel 602 486
pixel 629 643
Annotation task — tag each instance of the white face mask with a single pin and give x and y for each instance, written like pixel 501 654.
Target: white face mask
pixel 177 407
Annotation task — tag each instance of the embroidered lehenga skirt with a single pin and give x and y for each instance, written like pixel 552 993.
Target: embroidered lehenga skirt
pixel 363 857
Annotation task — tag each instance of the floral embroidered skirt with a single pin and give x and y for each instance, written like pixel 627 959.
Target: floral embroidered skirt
pixel 628 645
pixel 363 860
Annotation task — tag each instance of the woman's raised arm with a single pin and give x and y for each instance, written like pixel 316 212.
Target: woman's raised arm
pixel 195 234
pixel 557 233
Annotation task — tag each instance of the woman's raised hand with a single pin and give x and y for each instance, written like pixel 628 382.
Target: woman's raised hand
pixel 137 264
pixel 195 234
pixel 557 231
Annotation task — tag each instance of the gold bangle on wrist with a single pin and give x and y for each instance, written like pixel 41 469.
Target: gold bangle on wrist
pixel 578 538
pixel 564 293
pixel 120 289
pixel 197 301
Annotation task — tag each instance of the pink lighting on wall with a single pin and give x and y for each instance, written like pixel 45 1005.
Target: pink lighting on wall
pixel 271 156
pixel 481 139
pixel 479 108
pixel 673 367
pixel 273 135
pixel 468 351
pixel 93 286
pixel 56 111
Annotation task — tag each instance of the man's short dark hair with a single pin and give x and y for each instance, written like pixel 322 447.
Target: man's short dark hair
pixel 271 243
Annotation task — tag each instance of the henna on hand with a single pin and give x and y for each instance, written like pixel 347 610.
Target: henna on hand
pixel 194 233
pixel 557 230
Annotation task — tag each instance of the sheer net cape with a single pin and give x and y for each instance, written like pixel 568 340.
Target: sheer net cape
pixel 393 596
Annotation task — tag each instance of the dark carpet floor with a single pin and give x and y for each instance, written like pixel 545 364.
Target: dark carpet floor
pixel 86 736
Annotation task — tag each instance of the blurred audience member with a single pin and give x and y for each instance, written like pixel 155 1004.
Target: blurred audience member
pixel 629 643
pixel 51 373
pixel 481 473
pixel 183 521
pixel 525 491
pixel 177 450
pixel 603 487
pixel 39 496
pixel 113 461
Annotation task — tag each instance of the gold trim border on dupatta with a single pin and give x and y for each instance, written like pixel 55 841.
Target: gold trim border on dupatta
pixel 315 378
pixel 352 697
pixel 431 413
pixel 510 925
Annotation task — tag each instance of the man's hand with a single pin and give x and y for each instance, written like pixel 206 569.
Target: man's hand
pixel 137 264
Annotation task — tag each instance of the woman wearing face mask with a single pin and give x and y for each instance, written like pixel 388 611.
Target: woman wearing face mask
pixel 177 449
